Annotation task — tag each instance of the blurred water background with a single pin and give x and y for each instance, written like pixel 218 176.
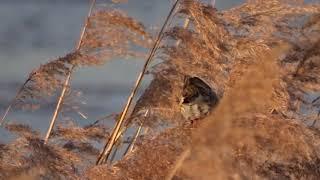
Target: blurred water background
pixel 33 32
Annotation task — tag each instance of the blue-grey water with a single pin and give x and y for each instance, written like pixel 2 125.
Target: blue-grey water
pixel 33 32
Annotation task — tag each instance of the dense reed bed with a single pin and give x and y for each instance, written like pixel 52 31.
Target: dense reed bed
pixel 261 59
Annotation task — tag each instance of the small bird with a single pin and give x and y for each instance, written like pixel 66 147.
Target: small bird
pixel 197 99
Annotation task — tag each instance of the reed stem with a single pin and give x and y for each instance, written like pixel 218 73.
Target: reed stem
pixel 58 107
pixel 66 83
pixel 111 141
pixel 131 145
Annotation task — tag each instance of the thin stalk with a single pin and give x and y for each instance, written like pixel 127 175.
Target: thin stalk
pixel 14 99
pixel 117 138
pixel 110 143
pixel 93 2
pixel 58 107
pixel 131 145
pixel 66 83
pixel 115 152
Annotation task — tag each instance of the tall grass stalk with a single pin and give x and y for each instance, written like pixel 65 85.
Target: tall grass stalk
pixel 138 131
pixel 131 145
pixel 118 144
pixel 116 149
pixel 111 141
pixel 67 81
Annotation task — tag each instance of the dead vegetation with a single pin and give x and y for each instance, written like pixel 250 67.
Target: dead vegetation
pixel 262 59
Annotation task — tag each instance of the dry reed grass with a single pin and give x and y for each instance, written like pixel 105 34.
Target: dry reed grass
pixel 82 134
pixel 152 158
pixel 261 59
pixel 29 153
pixel 107 34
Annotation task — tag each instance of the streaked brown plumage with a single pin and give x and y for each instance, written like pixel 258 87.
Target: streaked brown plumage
pixel 197 99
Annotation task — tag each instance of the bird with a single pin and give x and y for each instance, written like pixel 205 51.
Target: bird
pixel 197 99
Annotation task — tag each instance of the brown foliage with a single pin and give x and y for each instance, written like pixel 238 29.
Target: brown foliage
pixel 238 141
pixel 109 34
pixel 112 33
pixel 73 132
pixel 44 82
pixel 260 58
pixel 27 153
pixel 153 157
